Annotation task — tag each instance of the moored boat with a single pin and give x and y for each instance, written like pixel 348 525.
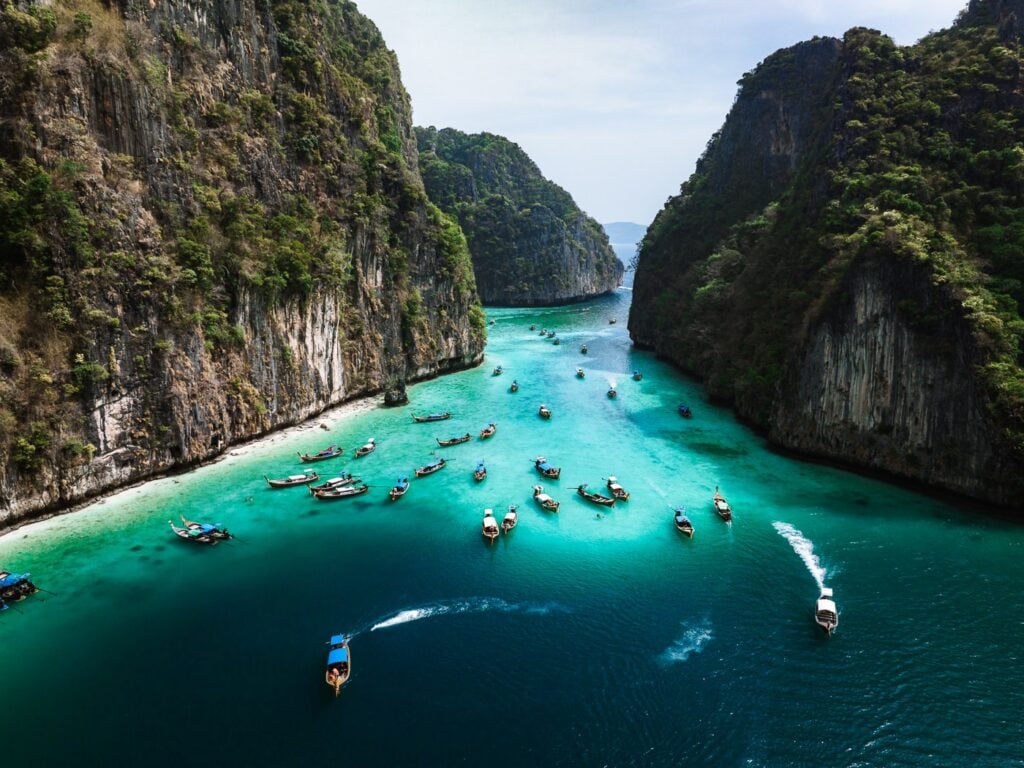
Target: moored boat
pixel 497 371
pixel 596 498
pixel 488 431
pixel 339 663
pixel 543 332
pixel 329 452
pixel 583 349
pixel 556 341
pixel 551 334
pixel 637 376
pixel 345 478
pixel 398 490
pixel 682 522
pixel 345 492
pixel 544 411
pixel 369 447
pixel 288 482
pixel 490 526
pixel 480 472
pixel 511 518
pixel 514 386
pixel 684 411
pixel 825 613
pixel 431 468
pixel 201 533
pixel 15 587
pixel 455 440
pixel 617 490
pixel 533 327
pixel 722 506
pixel 544 500
pixel 546 469
pixel 580 373
pixel 612 321
pixel 612 394
pixel 432 417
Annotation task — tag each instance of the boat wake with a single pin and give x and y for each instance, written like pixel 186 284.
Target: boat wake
pixel 471 605
pixel 693 640
pixel 803 547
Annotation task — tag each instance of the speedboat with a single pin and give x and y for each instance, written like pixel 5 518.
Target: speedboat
pixel 683 523
pixel 544 500
pixel 511 518
pixel 339 663
pixel 825 614
pixel 722 506
pixel 490 525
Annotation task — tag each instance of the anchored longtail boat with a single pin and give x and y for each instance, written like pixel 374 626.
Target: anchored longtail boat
pixel 544 411
pixel 431 468
pixel 557 341
pixel 370 447
pixel 544 500
pixel 399 489
pixel 329 452
pixel 455 440
pixel 488 431
pixel 514 387
pixel 345 478
pixel 201 533
pixel 546 469
pixel 497 371
pixel 15 587
pixel 612 394
pixel 339 663
pixel 480 472
pixel 722 506
pixel 682 522
pixel 596 498
pixel 432 417
pixel 511 518
pixel 580 373
pixel 331 494
pixel 637 376
pixel 490 526
pixel 617 490
pixel 684 411
pixel 288 482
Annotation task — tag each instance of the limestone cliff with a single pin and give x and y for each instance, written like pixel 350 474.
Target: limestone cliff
pixel 846 264
pixel 212 226
pixel 531 244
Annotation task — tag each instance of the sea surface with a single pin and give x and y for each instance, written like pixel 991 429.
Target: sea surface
pixel 590 637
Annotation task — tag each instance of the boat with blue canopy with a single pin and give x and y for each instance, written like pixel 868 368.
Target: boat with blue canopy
pixel 15 587
pixel 201 533
pixel 399 489
pixel 683 524
pixel 480 472
pixel 339 663
pixel 546 468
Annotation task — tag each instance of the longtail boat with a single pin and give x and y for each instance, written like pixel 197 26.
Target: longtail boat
pixel 544 500
pixel 201 533
pixel 583 349
pixel 533 327
pixel 339 663
pixel 488 431
pixel 15 587
pixel 684 411
pixel 544 411
pixel 826 615
pixel 612 394
pixel 344 492
pixel 557 341
pixel 514 387
pixel 432 417
pixel 490 526
pixel 480 472
pixel 682 522
pixel 722 506
pixel 329 452
pixel 399 489
pixel 596 498
pixel 580 373
pixel 546 469
pixel 288 482
pixel 497 371
pixel 617 490
pixel 431 468
pixel 511 518
pixel 455 440
pixel 345 478
pixel 637 376
pixel 369 447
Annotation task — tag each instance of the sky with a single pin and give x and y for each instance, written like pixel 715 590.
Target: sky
pixel 614 99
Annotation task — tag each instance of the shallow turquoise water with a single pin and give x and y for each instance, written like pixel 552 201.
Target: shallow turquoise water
pixel 576 640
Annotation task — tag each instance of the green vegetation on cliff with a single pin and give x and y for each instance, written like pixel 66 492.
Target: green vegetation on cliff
pixel 839 156
pixel 529 241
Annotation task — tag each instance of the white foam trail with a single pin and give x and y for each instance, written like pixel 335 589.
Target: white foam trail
pixel 693 640
pixel 803 547
pixel 473 605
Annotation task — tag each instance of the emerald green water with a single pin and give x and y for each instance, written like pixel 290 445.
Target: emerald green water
pixel 575 640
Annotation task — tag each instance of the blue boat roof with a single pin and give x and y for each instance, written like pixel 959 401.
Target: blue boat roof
pixel 544 465
pixel 337 656
pixel 207 528
pixel 337 639
pixel 12 579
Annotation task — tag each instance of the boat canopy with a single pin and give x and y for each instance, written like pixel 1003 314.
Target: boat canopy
pixel 826 605
pixel 826 592
pixel 544 465
pixel 543 497
pixel 12 579
pixel 204 528
pixel 338 656
pixel 337 639
pixel 298 477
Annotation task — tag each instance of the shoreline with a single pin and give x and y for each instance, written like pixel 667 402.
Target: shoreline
pixel 336 414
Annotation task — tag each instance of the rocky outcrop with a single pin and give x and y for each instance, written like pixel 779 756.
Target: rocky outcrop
pixel 842 267
pixel 214 227
pixel 530 243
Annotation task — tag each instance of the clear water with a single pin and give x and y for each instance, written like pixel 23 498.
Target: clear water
pixel 579 639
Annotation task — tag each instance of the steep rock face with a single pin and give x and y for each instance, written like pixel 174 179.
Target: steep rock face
pixel 530 243
pixel 214 227
pixel 845 267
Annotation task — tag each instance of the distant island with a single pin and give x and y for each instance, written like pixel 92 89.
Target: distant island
pixel 625 232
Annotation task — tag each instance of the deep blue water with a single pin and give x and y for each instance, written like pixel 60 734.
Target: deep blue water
pixel 578 639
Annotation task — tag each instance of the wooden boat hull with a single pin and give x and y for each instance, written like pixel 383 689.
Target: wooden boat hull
pixel 454 441
pixel 342 493
pixel 433 417
pixel 596 498
pixel 292 483
pixel 364 452
pixel 395 494
pixel 685 529
pixel 491 534
pixel 424 471
pixel 310 458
